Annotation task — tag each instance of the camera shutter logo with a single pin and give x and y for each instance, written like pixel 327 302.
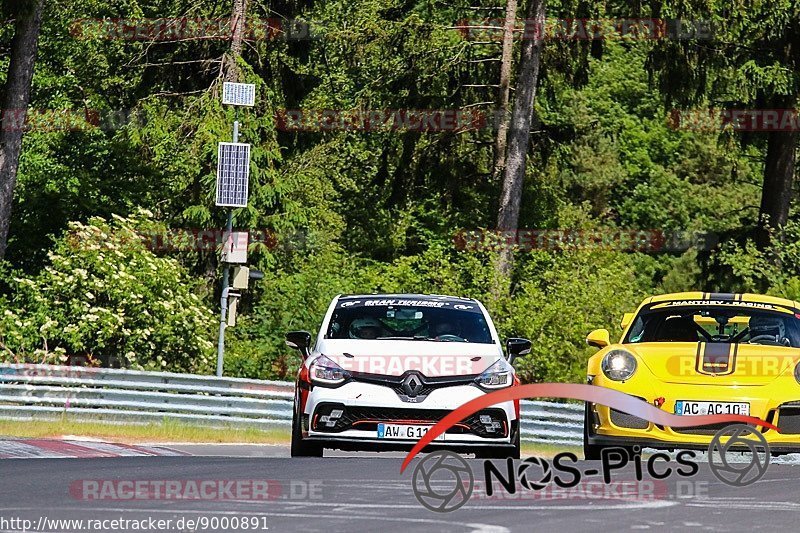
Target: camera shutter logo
pixel 443 482
pixel 722 456
pixel 532 483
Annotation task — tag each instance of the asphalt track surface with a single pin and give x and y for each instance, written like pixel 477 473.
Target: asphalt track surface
pixel 365 492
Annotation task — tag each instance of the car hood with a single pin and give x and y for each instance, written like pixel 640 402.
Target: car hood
pixel 395 357
pixel 716 363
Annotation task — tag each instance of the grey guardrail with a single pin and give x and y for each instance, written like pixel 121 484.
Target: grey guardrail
pixel 135 397
pixel 45 392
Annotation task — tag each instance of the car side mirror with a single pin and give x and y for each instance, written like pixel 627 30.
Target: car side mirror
pixel 300 341
pixel 599 338
pixel 517 347
pixel 627 318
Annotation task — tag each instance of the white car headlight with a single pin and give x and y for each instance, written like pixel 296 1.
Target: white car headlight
pixel 618 365
pixel 497 376
pixel 325 371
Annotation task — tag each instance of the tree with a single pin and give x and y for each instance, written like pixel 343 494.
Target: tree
pixel 105 295
pixel 505 80
pixel 521 117
pixel 15 102
pixel 238 26
pixel 776 193
pixel 749 58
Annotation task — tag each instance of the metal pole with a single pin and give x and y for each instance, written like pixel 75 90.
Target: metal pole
pixel 223 312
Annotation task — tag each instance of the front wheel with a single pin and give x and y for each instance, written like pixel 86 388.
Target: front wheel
pixel 301 448
pixel 591 452
pixel 594 452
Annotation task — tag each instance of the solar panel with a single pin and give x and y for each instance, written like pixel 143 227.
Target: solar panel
pixel 233 174
pixel 239 94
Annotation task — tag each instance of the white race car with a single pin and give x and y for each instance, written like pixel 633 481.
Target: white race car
pixel 385 368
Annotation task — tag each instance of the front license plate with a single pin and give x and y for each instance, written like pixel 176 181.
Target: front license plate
pixel 683 407
pixel 404 432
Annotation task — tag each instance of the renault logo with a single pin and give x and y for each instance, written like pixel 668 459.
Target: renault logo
pixel 412 385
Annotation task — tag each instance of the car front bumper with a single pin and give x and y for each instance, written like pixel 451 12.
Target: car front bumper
pixel 772 403
pixel 364 405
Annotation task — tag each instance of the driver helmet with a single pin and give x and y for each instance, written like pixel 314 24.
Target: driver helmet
pixel 767 325
pixel 446 328
pixel 365 328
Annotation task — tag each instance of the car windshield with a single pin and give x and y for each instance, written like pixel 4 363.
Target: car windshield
pixel 741 322
pixel 409 320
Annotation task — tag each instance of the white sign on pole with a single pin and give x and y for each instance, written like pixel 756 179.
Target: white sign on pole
pixel 233 174
pixel 234 247
pixel 239 94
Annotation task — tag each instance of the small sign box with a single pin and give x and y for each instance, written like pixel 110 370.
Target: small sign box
pixel 239 94
pixel 241 277
pixel 233 307
pixel 234 247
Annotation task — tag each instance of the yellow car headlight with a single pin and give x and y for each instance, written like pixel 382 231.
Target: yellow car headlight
pixel 618 365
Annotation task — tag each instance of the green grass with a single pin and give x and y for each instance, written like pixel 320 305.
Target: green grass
pixel 166 431
pixel 169 431
pixel 548 450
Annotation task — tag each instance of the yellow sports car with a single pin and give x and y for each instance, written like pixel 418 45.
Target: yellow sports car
pixel 699 353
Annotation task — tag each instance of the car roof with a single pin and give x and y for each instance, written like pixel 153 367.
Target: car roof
pixel 736 297
pixel 408 296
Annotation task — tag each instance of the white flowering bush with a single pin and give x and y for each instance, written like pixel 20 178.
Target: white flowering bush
pixel 104 295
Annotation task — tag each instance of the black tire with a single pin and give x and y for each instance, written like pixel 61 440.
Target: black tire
pixel 591 452
pixel 299 447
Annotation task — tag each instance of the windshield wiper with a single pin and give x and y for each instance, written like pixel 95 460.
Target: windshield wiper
pixel 412 338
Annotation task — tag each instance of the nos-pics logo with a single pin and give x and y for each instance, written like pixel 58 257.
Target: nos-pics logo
pixel 443 481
